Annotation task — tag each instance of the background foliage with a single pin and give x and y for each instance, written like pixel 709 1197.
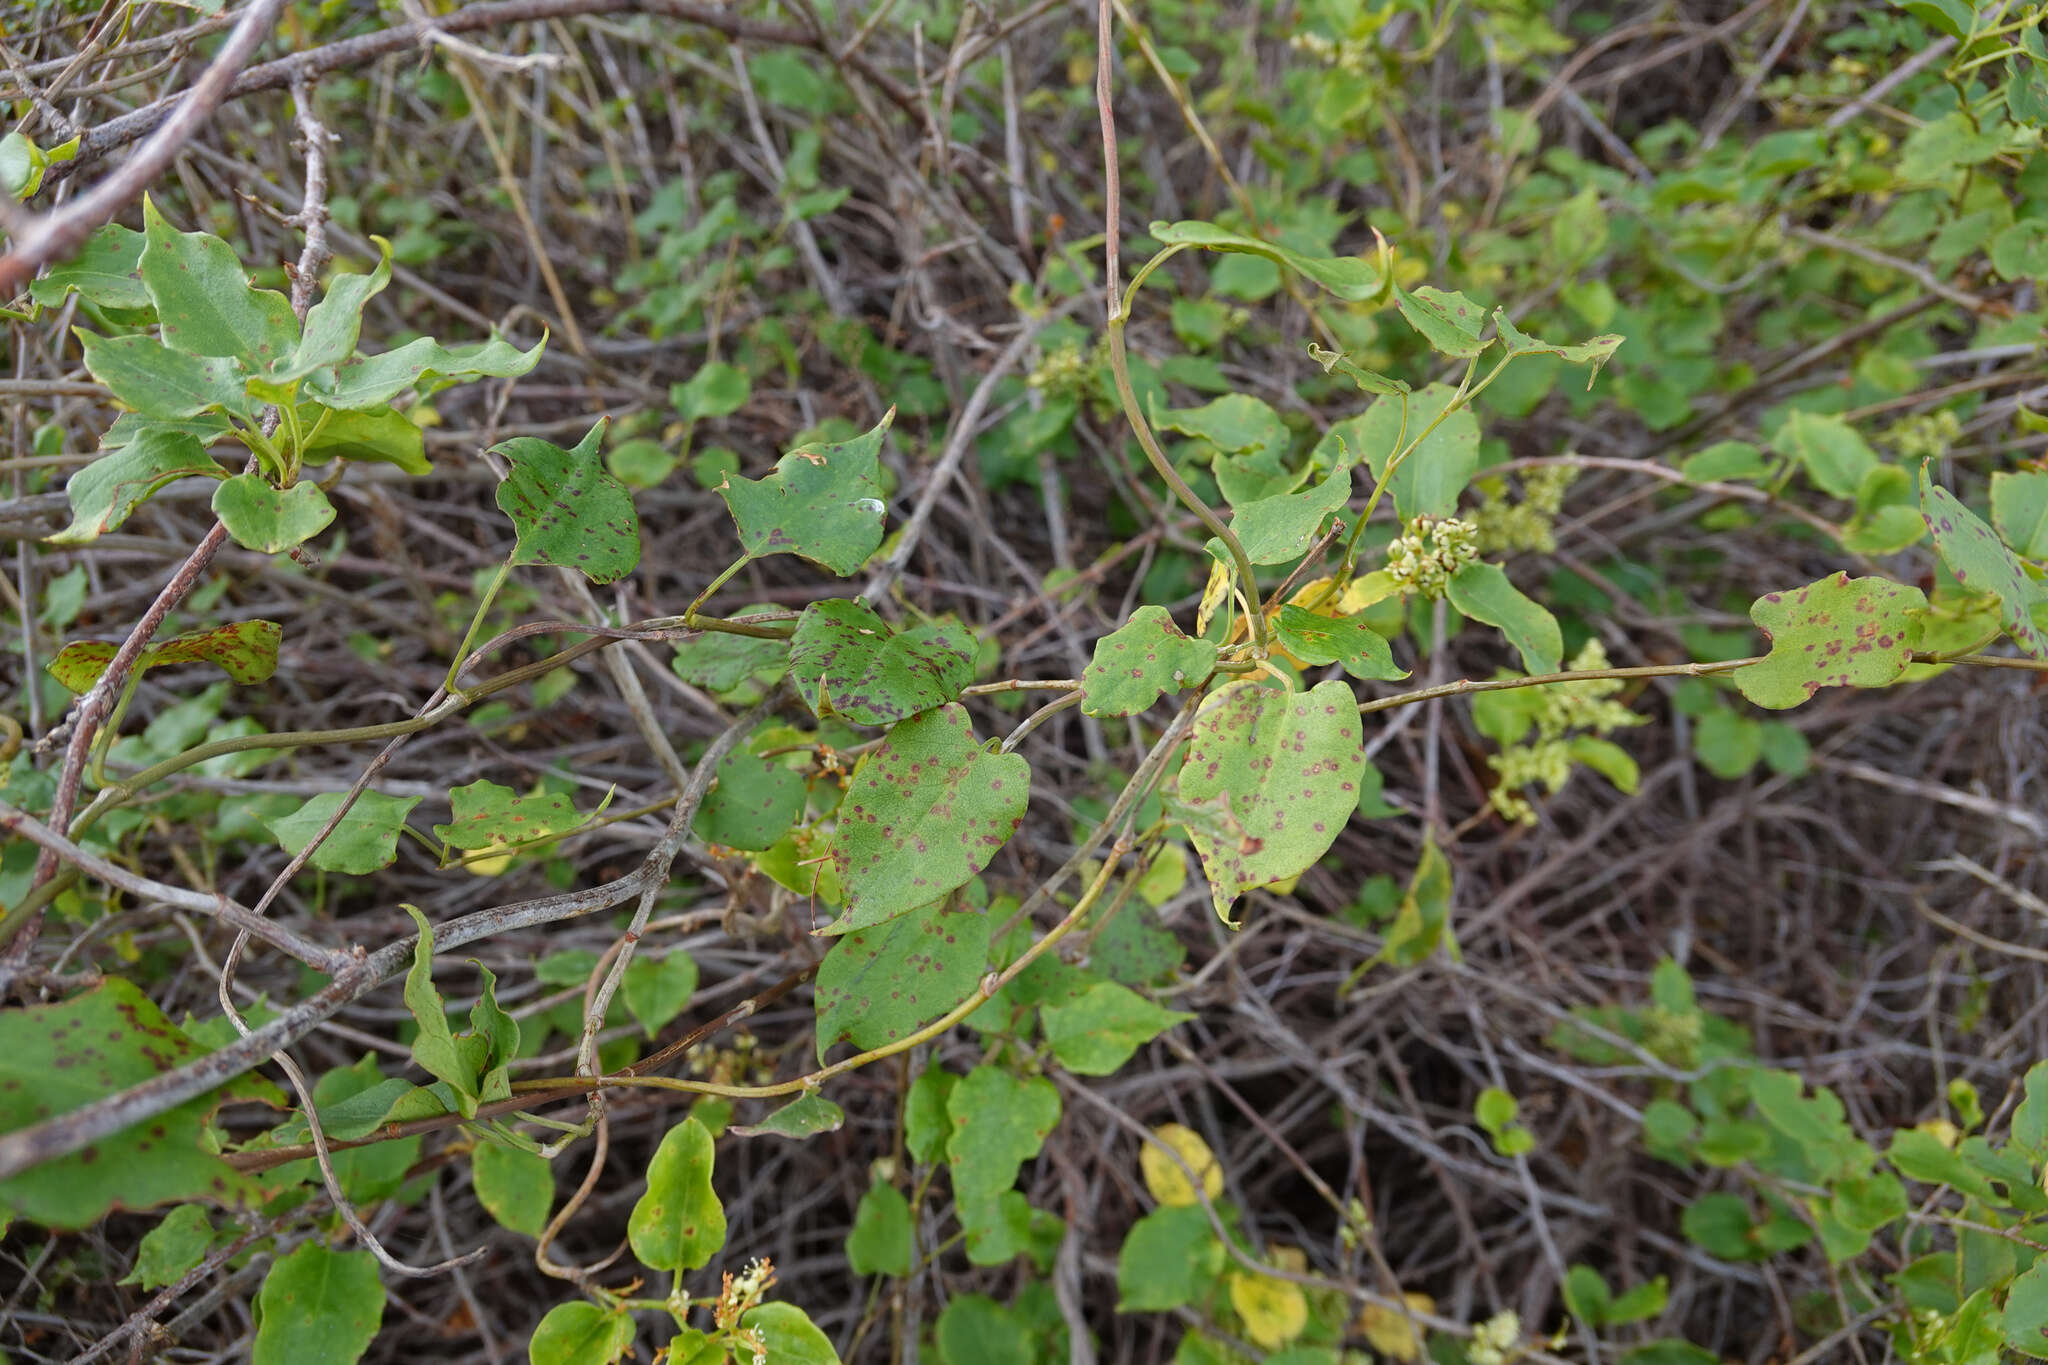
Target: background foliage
pixel 678 555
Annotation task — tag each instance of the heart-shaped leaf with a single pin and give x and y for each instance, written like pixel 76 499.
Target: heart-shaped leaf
pixel 678 1223
pixel 923 813
pixel 365 841
pixel 268 519
pixel 568 509
pixel 1270 779
pixel 847 662
pixel 1981 563
pixel 1838 632
pixel 822 502
pixel 1142 658
pixel 244 650
pixel 107 491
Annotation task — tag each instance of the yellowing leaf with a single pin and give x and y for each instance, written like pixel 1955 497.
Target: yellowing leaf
pixel 1377 586
pixel 1166 1180
pixel 1213 593
pixel 1274 1311
pixel 1388 1330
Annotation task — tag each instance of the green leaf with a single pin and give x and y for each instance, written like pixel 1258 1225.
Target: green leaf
pixel 1141 659
pixel 57 1058
pixel 1725 460
pixel 1237 423
pixel 822 502
pixel 373 381
pixel 752 804
pixel 1608 759
pixel 1336 362
pixel 144 374
pixel 2019 509
pixel 999 1123
pixel 335 323
pixel 268 519
pixel 436 1048
pixel 102 273
pixel 878 985
pixel 1837 632
pixel 1277 529
pixel 318 1307
pixel 788 1335
pixel 657 989
pixel 172 1247
pixel 2026 1313
pixel 581 1334
pixel 204 302
pixel 1432 475
pixel 487 815
pixel 107 491
pixel 678 1224
pixel 927 1124
pixel 1095 1034
pixel 1592 354
pixel 365 841
pixel 516 1187
pixel 717 390
pixel 1269 782
pixel 1448 321
pixel 1170 1257
pixel 1834 453
pixel 568 509
pixel 847 662
pixel 808 1116
pixel 22 166
pixel 880 1243
pixel 1348 641
pixel 1726 744
pixel 1482 591
pixel 923 813
pixel 1423 922
pixel 244 650
pixel 1351 278
pixel 719 661
pixel 383 436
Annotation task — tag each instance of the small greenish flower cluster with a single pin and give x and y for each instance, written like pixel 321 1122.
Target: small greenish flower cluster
pixel 1064 370
pixel 1922 435
pixel 1581 707
pixel 1346 54
pixel 1530 524
pixel 1494 1339
pixel 1432 549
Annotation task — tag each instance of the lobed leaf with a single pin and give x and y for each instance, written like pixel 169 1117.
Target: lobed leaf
pixel 568 510
pixel 1837 632
pixel 822 502
pixel 848 662
pixel 1135 663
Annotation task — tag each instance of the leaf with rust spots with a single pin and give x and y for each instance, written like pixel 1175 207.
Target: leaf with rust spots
pixel 244 650
pixel 57 1058
pixel 881 984
pixel 999 1123
pixel 487 815
pixel 1316 639
pixel 822 502
pixel 204 301
pixel 1838 632
pixel 568 509
pixel 923 813
pixel 847 662
pixel 1269 781
pixel 1981 562
pixel 1144 657
pixel 268 519
pixel 754 802
pixel 678 1223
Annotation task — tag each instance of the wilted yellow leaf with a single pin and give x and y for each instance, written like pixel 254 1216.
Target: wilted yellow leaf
pixel 1388 1330
pixel 486 862
pixel 1168 1183
pixel 1274 1311
pixel 1377 586
pixel 1213 593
